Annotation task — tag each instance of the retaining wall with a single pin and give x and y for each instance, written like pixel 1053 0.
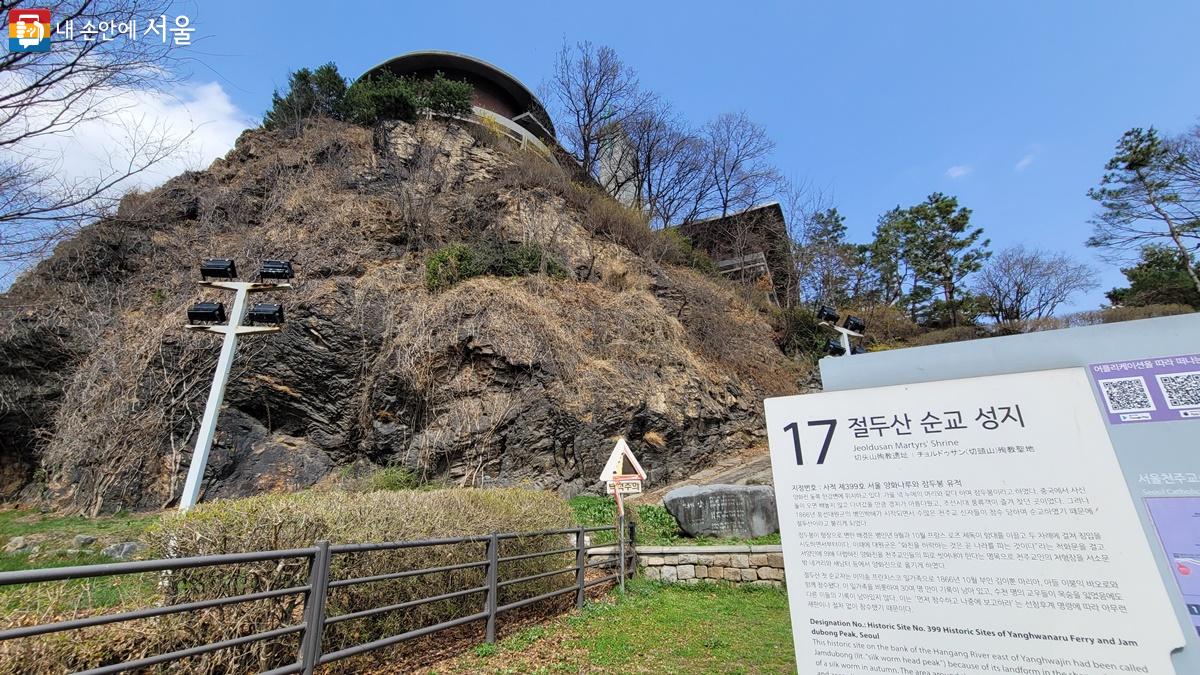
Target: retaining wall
pixel 739 564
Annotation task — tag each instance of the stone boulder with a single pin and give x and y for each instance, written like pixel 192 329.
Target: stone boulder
pixel 124 550
pixel 735 511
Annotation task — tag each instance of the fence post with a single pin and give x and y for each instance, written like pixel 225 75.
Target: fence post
pixel 492 563
pixel 580 565
pixel 314 608
pixel 621 548
pixel 633 554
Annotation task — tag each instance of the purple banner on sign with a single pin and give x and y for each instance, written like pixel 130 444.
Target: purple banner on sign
pixel 1161 389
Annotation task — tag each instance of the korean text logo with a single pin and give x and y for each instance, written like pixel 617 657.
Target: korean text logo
pixel 29 30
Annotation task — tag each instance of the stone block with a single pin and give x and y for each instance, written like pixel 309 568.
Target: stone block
pixel 733 574
pixel 758 560
pixel 686 572
pixel 692 581
pixel 775 560
pixel 724 510
pixel 770 573
pixel 749 575
pixel 651 573
pixel 653 560
pixel 721 560
pixel 688 559
pixel 701 571
pixel 716 572
pixel 760 582
pixel 669 573
pixel 705 560
pixel 739 560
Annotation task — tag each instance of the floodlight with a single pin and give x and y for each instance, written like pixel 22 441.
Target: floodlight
pixel 207 312
pixel 834 347
pixel 275 269
pixel 827 313
pixel 218 268
pixel 265 312
pixel 855 324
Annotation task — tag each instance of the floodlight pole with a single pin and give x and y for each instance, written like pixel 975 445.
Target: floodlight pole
pixel 216 395
pixel 844 335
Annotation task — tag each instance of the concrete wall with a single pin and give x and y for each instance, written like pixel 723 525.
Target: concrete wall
pixel 739 564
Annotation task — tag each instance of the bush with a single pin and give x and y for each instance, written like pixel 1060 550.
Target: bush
pixel 608 219
pixel 392 478
pixel 654 523
pixel 457 262
pixel 798 333
pixel 947 335
pixel 383 96
pixel 310 93
pixel 271 522
pixel 678 250
pixel 885 324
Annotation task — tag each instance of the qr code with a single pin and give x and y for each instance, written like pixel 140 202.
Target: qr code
pixel 1126 394
pixel 1181 389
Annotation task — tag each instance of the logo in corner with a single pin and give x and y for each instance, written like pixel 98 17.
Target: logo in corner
pixel 29 30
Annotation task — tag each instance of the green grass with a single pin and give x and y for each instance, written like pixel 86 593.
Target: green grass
pixel 54 534
pixel 655 525
pixel 702 628
pixel 59 530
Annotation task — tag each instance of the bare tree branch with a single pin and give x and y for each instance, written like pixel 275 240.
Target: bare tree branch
pixel 45 96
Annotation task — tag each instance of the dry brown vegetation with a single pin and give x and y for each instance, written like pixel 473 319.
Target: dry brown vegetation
pixel 274 522
pixel 372 366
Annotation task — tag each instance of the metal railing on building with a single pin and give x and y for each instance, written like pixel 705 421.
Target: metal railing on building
pixel 316 591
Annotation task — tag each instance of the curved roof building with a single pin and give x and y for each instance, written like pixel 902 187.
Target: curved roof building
pixel 496 91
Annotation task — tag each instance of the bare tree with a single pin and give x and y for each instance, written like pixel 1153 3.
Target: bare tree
pixel 670 161
pixel 45 96
pixel 1020 284
pixel 595 93
pixel 1150 194
pixel 739 169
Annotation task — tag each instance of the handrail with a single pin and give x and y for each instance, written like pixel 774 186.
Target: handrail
pixel 135 566
pixel 319 586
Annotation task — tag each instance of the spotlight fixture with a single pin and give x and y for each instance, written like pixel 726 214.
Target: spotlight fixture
pixel 206 312
pixel 218 268
pixel 265 312
pixel 855 324
pixel 275 269
pixel 827 313
pixel 834 347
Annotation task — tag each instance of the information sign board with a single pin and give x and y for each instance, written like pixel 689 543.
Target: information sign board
pixel 980 525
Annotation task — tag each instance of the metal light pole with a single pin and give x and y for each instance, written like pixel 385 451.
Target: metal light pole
pixel 231 331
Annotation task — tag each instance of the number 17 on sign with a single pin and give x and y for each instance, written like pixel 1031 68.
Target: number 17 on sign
pixel 794 427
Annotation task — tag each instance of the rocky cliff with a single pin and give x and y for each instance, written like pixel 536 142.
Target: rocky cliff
pixel 491 381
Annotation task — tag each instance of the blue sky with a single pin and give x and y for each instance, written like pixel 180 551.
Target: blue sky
pixel 1012 106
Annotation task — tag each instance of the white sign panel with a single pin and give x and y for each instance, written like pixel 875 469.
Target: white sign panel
pixel 959 527
pixel 631 486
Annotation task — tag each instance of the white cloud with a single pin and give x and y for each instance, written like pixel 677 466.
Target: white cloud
pixel 1025 161
pixel 959 170
pixel 200 118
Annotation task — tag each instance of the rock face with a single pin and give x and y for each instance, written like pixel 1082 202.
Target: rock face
pixel 493 381
pixel 740 511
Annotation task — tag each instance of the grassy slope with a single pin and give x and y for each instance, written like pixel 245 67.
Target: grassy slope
pixel 659 628
pixel 54 534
